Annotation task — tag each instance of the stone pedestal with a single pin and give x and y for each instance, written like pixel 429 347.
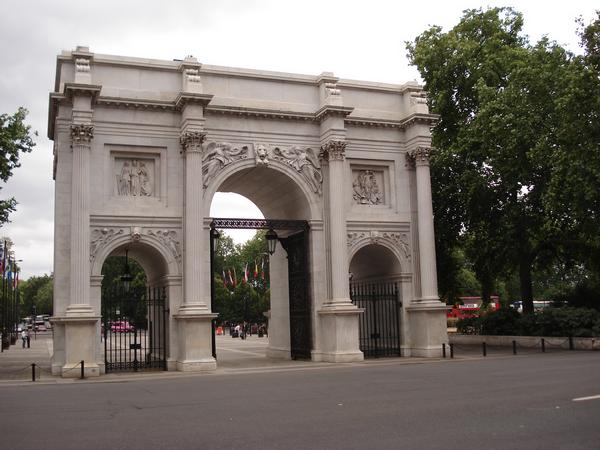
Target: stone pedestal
pixel 195 343
pixel 79 333
pixel 428 328
pixel 339 335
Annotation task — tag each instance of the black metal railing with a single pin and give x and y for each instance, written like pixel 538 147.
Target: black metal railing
pixel 134 328
pixel 379 327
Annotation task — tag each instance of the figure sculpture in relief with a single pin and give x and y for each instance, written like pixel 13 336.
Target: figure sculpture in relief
pixel 218 155
pixel 124 179
pixel 144 176
pixel 305 162
pixel 135 178
pixel 366 189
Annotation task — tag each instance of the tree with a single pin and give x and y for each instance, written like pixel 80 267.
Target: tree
pixel 499 101
pixel 15 139
pixel 36 290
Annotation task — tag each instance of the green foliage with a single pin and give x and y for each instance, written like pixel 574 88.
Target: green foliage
pixel 15 139
pixel 38 291
pixel 247 300
pixel 551 322
pixel 517 166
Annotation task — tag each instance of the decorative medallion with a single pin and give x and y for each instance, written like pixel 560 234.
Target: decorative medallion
pixel 169 239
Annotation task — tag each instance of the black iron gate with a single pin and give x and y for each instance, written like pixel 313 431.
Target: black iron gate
pixel 296 247
pixel 134 328
pixel 380 323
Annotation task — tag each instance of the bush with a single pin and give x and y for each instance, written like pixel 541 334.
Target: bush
pixel 551 322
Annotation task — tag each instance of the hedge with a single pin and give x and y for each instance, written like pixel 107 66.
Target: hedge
pixel 551 322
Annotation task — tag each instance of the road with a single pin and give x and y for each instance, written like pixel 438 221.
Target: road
pixel 513 402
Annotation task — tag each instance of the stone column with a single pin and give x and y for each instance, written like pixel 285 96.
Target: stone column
pixel 334 152
pixel 81 137
pixel 194 315
pixel 339 316
pixel 191 141
pixel 426 232
pixel 427 313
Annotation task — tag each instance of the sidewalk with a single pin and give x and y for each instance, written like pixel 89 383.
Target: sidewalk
pixel 15 362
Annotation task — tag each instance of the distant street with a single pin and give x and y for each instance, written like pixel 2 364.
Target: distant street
pixel 522 402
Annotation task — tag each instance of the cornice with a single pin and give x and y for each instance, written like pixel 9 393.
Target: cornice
pixel 135 103
pixel 183 98
pixel 331 110
pixel 259 112
pixel 92 90
pixel 419 118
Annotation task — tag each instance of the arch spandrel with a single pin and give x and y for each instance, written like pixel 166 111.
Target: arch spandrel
pixel 265 159
pixel 145 245
pixel 397 242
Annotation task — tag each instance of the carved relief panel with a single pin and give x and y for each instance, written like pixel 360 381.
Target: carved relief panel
pixel 370 185
pixel 135 177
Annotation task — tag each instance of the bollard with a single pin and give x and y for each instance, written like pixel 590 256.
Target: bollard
pixel 514 347
pixel 443 350
pixel 32 371
pixel 543 345
pixel 484 349
pixel 82 369
pixel 571 347
pixel 451 350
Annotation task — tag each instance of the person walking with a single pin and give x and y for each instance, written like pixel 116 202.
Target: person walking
pixel 23 337
pixel 28 339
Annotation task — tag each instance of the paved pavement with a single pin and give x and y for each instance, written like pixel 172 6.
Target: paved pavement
pixel 15 362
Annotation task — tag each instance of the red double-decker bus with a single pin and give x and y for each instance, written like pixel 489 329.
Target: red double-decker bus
pixel 471 307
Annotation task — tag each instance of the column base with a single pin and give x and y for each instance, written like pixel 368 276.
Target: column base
pixel 80 337
pixel 278 353
pixel 195 341
pixel 339 337
pixel 428 328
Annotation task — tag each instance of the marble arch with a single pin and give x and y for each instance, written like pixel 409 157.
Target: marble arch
pixel 142 145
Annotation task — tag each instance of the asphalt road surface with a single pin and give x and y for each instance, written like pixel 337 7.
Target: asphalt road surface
pixel 513 402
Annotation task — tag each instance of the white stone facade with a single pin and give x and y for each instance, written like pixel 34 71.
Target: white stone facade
pixel 142 146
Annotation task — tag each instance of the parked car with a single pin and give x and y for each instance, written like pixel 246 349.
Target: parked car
pixel 121 326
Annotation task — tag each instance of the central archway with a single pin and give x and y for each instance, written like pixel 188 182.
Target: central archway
pixel 289 208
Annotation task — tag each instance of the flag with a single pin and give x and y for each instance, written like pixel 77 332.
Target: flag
pixel 234 278
pixel 262 268
pixel 255 270
pixel 16 285
pixel 246 273
pixel 230 277
pixel 9 271
pixel 224 279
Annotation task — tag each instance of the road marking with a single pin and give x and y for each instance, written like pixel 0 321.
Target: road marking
pixel 583 399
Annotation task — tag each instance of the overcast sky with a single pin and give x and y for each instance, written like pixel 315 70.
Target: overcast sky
pixel 361 40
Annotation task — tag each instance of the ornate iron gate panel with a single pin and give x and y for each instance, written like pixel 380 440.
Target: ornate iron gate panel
pixel 380 323
pixel 299 295
pixel 134 328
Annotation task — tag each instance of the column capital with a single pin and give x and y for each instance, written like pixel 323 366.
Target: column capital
pixel 419 156
pixel 82 133
pixel 191 141
pixel 333 150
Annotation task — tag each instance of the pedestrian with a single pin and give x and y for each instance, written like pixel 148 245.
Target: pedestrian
pixel 28 339
pixel 23 337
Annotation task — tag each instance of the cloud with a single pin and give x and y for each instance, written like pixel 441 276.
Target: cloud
pixel 354 39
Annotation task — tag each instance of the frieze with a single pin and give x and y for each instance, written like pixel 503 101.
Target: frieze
pixel 100 237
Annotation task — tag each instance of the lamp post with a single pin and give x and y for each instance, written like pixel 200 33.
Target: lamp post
pixel 214 237
pixel 126 278
pixel 271 238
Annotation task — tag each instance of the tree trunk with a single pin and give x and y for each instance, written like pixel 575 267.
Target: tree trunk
pixel 526 284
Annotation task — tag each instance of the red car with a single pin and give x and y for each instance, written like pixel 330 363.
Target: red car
pixel 121 326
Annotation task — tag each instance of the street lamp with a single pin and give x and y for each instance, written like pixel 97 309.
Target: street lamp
pixel 214 238
pixel 271 237
pixel 126 278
